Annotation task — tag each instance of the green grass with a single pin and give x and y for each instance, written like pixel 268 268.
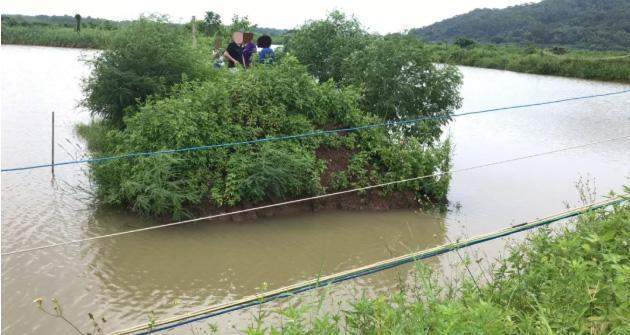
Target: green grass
pixel 598 65
pixel 54 36
pixel 574 280
pixel 91 38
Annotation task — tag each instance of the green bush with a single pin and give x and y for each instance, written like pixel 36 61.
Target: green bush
pixel 464 43
pixel 146 57
pixel 395 73
pixel 400 81
pixel 244 105
pixel 161 95
pixel 323 45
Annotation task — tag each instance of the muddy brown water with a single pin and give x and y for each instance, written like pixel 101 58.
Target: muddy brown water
pixel 180 269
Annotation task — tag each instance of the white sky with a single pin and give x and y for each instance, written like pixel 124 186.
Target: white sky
pixel 378 16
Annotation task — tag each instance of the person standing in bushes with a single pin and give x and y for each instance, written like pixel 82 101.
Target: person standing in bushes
pixel 266 55
pixel 234 52
pixel 249 49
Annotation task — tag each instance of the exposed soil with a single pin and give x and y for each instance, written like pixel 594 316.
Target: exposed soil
pixel 337 159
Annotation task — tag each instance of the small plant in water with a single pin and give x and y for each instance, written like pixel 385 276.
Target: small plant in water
pixel 152 320
pixel 57 312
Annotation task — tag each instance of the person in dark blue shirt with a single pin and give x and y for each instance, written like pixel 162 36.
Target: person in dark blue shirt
pixel 266 55
pixel 234 52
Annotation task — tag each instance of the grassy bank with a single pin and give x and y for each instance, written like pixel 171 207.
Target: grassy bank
pixel 573 282
pixel 598 65
pixel 53 36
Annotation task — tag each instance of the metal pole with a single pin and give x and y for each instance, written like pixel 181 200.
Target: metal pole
pixel 194 31
pixel 52 145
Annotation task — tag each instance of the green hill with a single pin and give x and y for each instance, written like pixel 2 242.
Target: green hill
pixel 588 24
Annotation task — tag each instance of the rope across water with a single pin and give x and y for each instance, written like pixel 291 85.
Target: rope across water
pixel 287 291
pixel 327 195
pixel 304 135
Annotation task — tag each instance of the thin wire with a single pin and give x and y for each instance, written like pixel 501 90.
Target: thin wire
pixel 290 202
pixel 304 135
pixel 287 291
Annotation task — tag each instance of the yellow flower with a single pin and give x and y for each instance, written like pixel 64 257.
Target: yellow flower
pixel 39 301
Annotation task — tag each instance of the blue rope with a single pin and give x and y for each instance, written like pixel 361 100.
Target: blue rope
pixel 369 271
pixel 299 136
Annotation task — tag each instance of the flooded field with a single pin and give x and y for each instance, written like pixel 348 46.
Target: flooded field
pixel 183 268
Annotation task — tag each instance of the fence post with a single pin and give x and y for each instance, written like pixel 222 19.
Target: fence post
pixel 194 33
pixel 52 146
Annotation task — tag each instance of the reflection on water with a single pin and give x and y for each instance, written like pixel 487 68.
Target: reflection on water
pixel 203 264
pixel 182 268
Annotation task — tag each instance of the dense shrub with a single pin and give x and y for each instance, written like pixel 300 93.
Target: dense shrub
pixel 395 73
pixel 359 79
pixel 323 45
pixel 143 58
pixel 400 81
pixel 244 105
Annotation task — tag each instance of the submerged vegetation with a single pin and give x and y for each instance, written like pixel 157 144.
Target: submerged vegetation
pixel 158 95
pixel 575 280
pixel 610 66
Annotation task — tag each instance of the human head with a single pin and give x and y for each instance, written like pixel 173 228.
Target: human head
pixel 248 37
pixel 237 37
pixel 264 41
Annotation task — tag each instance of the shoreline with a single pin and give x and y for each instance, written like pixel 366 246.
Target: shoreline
pixel 371 201
pixel 504 68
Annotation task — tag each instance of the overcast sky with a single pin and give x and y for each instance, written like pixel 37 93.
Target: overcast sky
pixel 378 16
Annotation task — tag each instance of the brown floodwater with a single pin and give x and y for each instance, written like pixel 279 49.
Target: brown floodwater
pixel 179 269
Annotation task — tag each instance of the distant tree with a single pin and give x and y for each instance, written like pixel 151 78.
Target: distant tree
pixel 559 50
pixel 77 17
pixel 9 21
pixel 464 43
pixel 530 49
pixel 240 23
pixel 497 40
pixel 211 23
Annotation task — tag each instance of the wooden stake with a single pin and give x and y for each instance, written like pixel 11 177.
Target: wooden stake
pixel 194 31
pixel 52 146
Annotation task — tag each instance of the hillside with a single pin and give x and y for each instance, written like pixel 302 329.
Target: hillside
pixel 588 24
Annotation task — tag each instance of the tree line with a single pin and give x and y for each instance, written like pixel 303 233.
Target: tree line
pixel 587 24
